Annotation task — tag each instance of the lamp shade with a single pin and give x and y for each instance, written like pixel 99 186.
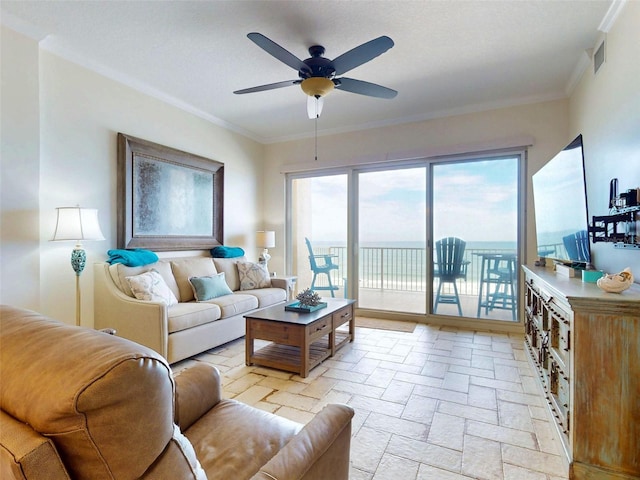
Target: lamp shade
pixel 75 223
pixel 266 239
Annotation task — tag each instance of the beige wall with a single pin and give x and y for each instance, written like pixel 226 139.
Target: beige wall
pixel 19 172
pixel 605 108
pixel 80 114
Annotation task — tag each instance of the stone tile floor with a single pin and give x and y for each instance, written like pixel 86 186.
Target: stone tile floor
pixel 439 403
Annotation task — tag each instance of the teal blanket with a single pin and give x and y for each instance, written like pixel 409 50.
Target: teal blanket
pixel 132 258
pixel 226 252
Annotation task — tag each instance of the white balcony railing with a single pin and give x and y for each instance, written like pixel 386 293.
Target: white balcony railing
pixel 401 269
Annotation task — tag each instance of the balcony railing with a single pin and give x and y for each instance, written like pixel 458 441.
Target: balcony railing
pixel 402 269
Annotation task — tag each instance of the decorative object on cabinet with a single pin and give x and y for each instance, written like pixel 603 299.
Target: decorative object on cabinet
pixel 167 199
pixel 585 346
pixel 620 226
pixel 616 283
pixel 77 224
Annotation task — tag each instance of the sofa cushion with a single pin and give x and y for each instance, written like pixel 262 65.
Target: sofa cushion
pixel 150 286
pixel 253 275
pixel 185 268
pixel 120 272
pixel 206 288
pixel 268 296
pixel 228 266
pixel 186 315
pixel 235 304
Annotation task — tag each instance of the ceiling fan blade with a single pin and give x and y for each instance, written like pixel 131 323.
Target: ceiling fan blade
pixel 277 51
pixel 314 106
pixel 364 88
pixel 362 54
pixel 270 86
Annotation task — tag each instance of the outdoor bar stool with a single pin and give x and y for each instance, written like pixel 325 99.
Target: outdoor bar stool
pixel 497 283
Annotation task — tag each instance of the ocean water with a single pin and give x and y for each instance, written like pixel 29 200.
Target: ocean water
pixel 471 245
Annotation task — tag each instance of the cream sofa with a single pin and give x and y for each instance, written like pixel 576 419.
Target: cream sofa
pixel 188 328
pixel 81 404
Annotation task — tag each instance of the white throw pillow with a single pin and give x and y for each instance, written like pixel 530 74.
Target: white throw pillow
pixel 253 275
pixel 150 286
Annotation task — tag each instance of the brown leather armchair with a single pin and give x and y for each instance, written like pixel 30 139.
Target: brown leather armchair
pixel 78 403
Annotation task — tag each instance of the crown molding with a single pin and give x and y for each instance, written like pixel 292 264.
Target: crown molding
pixel 612 15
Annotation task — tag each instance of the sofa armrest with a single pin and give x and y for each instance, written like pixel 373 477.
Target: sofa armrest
pixel 143 322
pixel 319 451
pixel 198 390
pixel 282 283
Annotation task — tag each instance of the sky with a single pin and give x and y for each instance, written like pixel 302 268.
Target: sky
pixel 473 200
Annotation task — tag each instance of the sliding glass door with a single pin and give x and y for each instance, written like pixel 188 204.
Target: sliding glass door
pixel 392 270
pixel 475 232
pixel 318 217
pixel 430 237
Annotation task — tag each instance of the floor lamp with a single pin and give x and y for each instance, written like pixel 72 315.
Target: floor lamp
pixel 77 224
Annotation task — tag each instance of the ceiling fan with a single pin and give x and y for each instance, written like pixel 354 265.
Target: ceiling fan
pixel 318 74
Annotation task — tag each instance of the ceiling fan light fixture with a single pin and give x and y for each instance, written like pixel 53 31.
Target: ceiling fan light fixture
pixel 316 86
pixel 314 106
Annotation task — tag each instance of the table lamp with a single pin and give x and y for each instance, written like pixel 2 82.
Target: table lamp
pixel 265 240
pixel 77 224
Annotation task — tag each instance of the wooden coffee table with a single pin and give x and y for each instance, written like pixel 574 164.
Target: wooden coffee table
pixel 300 341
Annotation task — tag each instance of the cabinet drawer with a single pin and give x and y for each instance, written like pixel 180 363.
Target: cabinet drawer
pixel 319 329
pixel 342 316
pixel 560 340
pixel 276 332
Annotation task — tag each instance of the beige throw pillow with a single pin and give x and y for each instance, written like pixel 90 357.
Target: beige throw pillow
pixel 150 286
pixel 253 275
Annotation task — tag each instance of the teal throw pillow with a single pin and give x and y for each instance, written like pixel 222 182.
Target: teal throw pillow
pixel 208 288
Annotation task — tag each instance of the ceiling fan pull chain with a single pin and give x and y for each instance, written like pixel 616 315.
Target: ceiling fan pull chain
pixel 316 138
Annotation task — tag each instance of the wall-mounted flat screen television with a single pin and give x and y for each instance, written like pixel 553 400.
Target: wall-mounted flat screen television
pixel 560 200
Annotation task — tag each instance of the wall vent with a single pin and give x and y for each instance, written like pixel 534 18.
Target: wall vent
pixel 598 58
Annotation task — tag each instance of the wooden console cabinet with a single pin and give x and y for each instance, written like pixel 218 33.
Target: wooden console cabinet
pixel 585 346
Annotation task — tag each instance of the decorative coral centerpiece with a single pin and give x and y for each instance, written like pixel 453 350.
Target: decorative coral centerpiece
pixel 616 283
pixel 308 298
pixel 307 301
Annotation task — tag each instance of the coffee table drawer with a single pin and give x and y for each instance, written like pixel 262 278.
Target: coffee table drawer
pixel 277 332
pixel 319 329
pixel 342 316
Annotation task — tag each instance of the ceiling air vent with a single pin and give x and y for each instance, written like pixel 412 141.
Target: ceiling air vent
pixel 598 58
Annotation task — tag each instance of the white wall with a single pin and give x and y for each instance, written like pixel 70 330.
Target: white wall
pixel 546 122
pixel 80 114
pixel 605 108
pixel 19 172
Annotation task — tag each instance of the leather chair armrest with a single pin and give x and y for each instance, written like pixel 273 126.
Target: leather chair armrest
pixel 24 453
pixel 319 451
pixel 198 389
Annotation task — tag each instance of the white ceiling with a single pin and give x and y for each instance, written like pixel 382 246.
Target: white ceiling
pixel 449 56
